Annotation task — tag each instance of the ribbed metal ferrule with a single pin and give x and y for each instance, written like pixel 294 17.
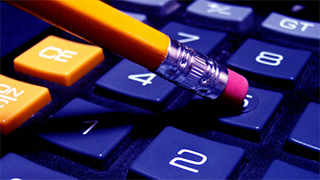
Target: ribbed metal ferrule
pixel 194 71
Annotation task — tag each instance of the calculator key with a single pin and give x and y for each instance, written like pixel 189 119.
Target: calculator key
pixel 18 28
pixel 281 170
pixel 87 130
pixel 137 16
pixel 221 16
pixel 132 83
pixel 268 63
pixel 175 154
pixel 304 138
pixel 153 7
pixel 15 167
pixel 292 28
pixel 202 40
pixel 19 101
pixel 59 60
pixel 253 120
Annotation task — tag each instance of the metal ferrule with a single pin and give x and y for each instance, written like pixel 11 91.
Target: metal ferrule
pixel 194 71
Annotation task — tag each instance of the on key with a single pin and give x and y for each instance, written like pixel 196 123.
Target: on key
pixel 18 102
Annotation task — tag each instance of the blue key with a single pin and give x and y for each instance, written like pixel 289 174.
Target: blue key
pixel 270 64
pixel 292 28
pixel 137 16
pixel 252 122
pixel 16 167
pixel 202 40
pixel 153 7
pixel 18 28
pixel 134 84
pixel 80 132
pixel 175 154
pixel 281 170
pixel 221 16
pixel 304 138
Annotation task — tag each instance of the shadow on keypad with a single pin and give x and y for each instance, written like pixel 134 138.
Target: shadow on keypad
pixel 250 122
pixel 86 132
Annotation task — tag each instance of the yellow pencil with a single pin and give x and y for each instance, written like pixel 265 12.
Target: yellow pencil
pixel 107 27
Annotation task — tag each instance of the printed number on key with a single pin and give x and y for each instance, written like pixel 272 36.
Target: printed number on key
pixel 174 161
pixel 95 122
pixel 145 79
pixel 269 58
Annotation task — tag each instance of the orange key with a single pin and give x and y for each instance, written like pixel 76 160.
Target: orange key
pixel 18 102
pixel 59 60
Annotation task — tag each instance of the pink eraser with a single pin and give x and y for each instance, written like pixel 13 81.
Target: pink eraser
pixel 235 91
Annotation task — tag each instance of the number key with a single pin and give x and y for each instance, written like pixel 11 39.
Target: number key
pixel 175 154
pixel 132 83
pixel 15 167
pixel 78 128
pixel 203 40
pixel 268 63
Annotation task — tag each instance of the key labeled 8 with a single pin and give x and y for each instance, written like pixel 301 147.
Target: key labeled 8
pixel 269 58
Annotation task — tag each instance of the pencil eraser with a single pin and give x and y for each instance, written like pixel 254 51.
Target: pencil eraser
pixel 235 90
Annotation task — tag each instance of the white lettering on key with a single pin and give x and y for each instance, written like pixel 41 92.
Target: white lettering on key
pixel 8 93
pixel 292 24
pixel 59 55
pixel 305 25
pixel 246 101
pixel 139 78
pixel 173 162
pixel 95 122
pixel 188 37
pixel 269 58
pixel 216 8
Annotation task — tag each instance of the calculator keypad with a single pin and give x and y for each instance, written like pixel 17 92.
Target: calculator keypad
pixel 117 120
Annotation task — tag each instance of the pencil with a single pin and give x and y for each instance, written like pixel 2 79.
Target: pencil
pixel 105 26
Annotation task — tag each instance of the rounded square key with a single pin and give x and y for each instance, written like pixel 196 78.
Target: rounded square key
pixel 202 40
pixel 152 7
pixel 252 121
pixel 221 16
pixel 15 167
pixel 259 106
pixel 281 170
pixel 175 154
pixel 135 84
pixel 286 27
pixel 304 138
pixel 88 132
pixel 19 101
pixel 59 60
pixel 270 64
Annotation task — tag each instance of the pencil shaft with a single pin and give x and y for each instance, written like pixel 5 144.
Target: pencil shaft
pixel 105 26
